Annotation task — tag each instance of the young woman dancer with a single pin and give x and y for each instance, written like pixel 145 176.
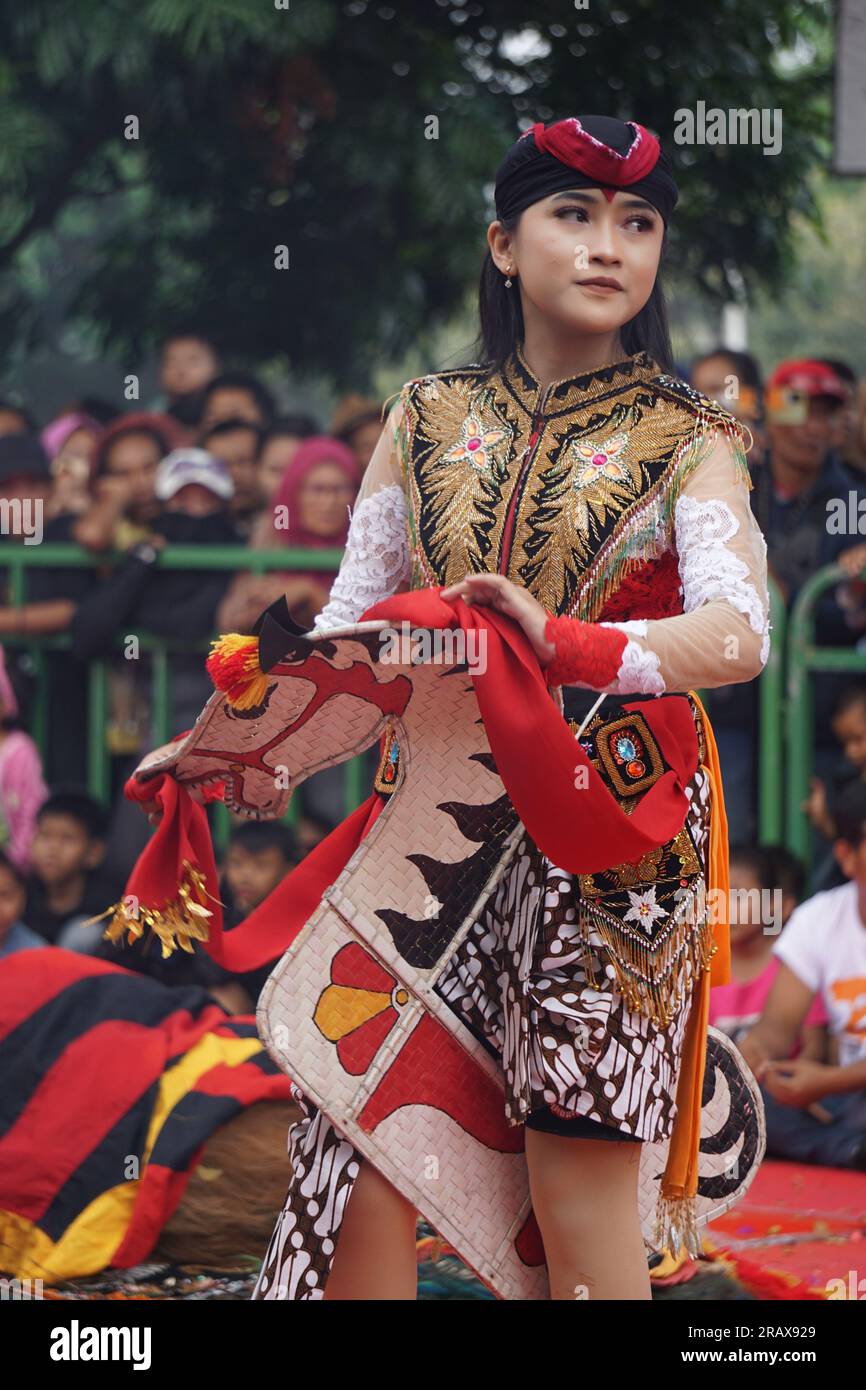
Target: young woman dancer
pixel 569 481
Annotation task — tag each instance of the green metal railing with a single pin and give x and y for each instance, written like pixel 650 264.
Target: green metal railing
pixel 805 659
pixel 771 727
pixel 785 686
pixel 18 559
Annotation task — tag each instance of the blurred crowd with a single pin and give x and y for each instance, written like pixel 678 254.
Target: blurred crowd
pixel 808 468
pixel 213 462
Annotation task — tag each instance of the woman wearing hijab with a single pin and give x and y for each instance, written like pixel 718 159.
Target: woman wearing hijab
pixel 309 511
pixel 69 441
pixel 566 480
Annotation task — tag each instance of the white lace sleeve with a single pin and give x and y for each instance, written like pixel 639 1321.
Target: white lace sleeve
pixel 710 568
pixel 376 559
pixel 723 634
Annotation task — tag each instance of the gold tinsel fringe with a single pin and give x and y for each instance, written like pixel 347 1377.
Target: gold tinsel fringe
pixel 644 535
pixel 179 922
pixel 653 982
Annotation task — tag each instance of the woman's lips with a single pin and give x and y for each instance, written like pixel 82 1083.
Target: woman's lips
pixel 595 288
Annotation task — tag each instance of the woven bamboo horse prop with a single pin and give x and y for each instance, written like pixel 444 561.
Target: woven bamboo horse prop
pixel 352 1010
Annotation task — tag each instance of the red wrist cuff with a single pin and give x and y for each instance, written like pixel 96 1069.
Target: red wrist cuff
pixel 586 653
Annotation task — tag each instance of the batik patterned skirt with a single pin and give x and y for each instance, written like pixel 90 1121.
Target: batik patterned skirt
pixel 536 982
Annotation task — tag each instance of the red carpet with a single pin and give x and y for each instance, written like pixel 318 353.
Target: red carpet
pixel 802 1223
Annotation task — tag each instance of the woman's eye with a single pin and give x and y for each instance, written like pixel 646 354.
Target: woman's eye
pixel 642 223
pixel 562 212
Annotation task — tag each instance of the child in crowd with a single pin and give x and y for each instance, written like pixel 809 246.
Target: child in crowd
pixel 15 935
pixel 766 884
pixel 22 789
pixel 822 952
pixel 68 883
pixel 194 490
pixel 259 855
pixel 188 363
pixel 849 728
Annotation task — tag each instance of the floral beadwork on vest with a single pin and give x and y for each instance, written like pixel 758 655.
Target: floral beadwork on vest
pixel 569 490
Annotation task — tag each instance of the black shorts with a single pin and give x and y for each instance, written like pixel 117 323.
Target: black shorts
pixel 578 1127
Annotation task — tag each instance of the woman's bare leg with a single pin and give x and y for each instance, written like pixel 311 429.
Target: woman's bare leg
pixel 584 1195
pixel 375 1255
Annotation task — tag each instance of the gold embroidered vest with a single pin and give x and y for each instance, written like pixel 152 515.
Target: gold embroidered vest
pixel 564 489
pixel 570 491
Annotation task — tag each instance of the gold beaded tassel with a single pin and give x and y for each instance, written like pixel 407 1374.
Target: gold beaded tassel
pixel 652 982
pixel 179 922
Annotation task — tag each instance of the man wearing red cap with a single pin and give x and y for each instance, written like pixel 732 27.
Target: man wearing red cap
pixel 799 496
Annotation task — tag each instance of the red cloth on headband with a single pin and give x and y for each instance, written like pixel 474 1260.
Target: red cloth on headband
pixel 568 142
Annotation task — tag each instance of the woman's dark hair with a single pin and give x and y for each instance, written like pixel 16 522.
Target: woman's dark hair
pixel 848 810
pixel 288 426
pixel 773 866
pixel 188 332
pixel 79 805
pixel 502 327
pixel 229 426
pixel 102 411
pixel 852 696
pixel 243 381
pixel 259 835
pixel 842 369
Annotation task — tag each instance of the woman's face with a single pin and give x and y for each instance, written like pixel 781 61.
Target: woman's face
pixel 323 497
pixel 566 241
pixel 71 467
pixel 273 462
pixel 79 444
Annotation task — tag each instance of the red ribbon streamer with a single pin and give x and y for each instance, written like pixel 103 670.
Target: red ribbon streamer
pixel 580 828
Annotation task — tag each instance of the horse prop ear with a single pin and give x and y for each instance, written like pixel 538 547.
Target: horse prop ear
pixel 280 636
pixel 280 612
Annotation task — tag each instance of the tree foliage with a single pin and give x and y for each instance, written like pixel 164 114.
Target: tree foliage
pixel 309 127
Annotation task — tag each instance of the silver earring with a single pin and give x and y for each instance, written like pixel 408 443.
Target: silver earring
pixel 508 281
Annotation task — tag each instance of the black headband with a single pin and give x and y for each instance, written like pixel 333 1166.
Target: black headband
pixel 584 152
